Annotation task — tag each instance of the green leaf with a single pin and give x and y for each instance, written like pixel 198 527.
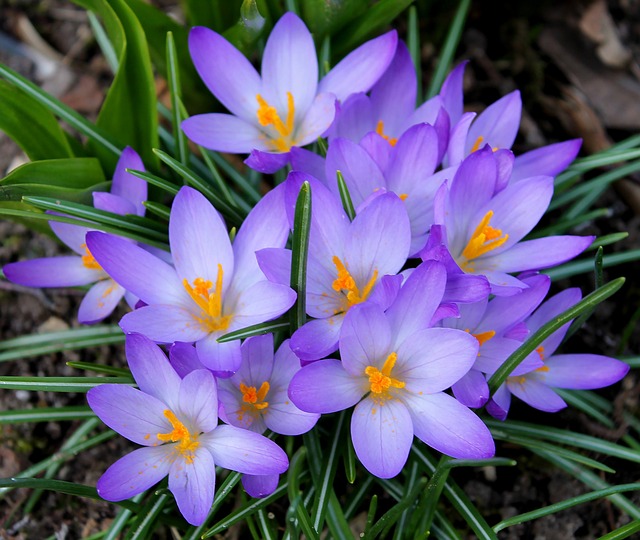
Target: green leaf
pixel 47 414
pixel 31 125
pixel 175 92
pixel 128 113
pixel 415 49
pixel 154 180
pixel 255 330
pixel 101 368
pixel 345 196
pixel 147 520
pixel 581 266
pixel 327 17
pixel 299 254
pixel 248 29
pixel 623 532
pixel 59 384
pixel 549 328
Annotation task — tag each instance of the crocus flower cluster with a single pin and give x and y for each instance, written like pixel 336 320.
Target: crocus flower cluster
pixel 420 281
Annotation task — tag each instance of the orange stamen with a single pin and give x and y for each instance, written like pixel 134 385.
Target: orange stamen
pixel 188 442
pixel 483 240
pixel 210 304
pixel 380 380
pixel 380 131
pixel 88 260
pixel 483 337
pixel 268 116
pixel 345 282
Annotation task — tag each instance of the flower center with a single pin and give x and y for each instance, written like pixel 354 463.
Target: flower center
pixel 345 283
pixel 187 442
pixel 88 260
pixel 483 337
pixel 211 318
pixel 380 131
pixel 483 240
pixel 476 145
pixel 253 400
pixel 380 380
pixel 268 116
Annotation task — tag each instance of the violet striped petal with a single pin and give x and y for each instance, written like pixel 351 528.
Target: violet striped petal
pixel 100 301
pixel 192 483
pixel 52 272
pixel 582 371
pixel 224 133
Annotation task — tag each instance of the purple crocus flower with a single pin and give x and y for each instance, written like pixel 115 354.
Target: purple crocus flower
pixel 570 371
pixel 483 230
pixel 347 262
pixel 395 369
pixel 214 288
pixel 126 197
pixel 286 106
pixel 176 421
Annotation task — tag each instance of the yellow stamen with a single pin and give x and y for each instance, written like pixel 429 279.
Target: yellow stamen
pixel 403 196
pixel 483 337
pixel 188 442
pixel 88 260
pixel 483 240
pixel 380 131
pixel 345 282
pixel 540 351
pixel 268 116
pixel 380 380
pixel 543 369
pixel 211 318
pixel 476 145
pixel 254 399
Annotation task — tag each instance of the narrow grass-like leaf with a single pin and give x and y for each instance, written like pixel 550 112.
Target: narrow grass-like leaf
pixel 147 520
pixel 296 504
pixel 154 180
pixel 299 254
pixel 577 399
pixel 599 281
pixel 612 156
pixel 623 532
pixel 563 505
pixel 449 48
pixel 423 516
pixel 220 183
pixel 62 337
pixel 349 460
pixel 101 368
pixel 157 209
pixel 264 524
pixel 46 414
pixel 371 514
pixel 173 79
pixel 336 520
pixel 607 239
pixel 442 528
pixel 393 514
pixel 489 462
pixel 345 196
pixel 121 520
pixel 106 48
pixel 549 328
pixel 59 384
pixel 581 266
pixel 400 530
pixel 236 177
pixel 565 224
pixel 255 330
pixel 356 500
pixel 195 181
pixel 413 44
pixel 245 510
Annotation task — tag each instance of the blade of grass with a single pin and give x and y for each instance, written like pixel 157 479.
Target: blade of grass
pixel 299 254
pixel 413 44
pixel 623 532
pixel 121 520
pixel 59 384
pixel 147 521
pixel 585 265
pixel 173 78
pixel 234 201
pixel 46 414
pixel 154 180
pixel 157 209
pixel 255 330
pixel 101 368
pixel 345 196
pixel 236 177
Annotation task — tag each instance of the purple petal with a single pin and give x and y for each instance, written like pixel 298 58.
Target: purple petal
pixel 125 184
pixel 226 72
pixel 260 486
pixel 163 323
pixel 135 473
pixel 365 338
pixel 221 358
pixel 184 358
pixel 504 159
pixel 308 388
pixel 498 124
pixel 133 414
pixel 448 426
pixel 452 92
pixel 198 400
pixel 536 394
pixel 432 360
pixel 355 118
pixel 285 418
pixel 224 133
pixel 317 120
pixel 307 162
pixel 472 389
pixel 113 203
pixel 52 272
pixel 494 352
pixel 382 435
pixel 100 301
pixel 549 160
pixel 378 148
pixel 317 338
pixel 361 68
pixel 498 405
pixel 192 483
pixel 583 371
pixel 73 236
pixel 143 274
pixel 266 162
pixel 199 240
pixel 275 264
pixel 244 451
pixel 458 139
pixel 289 64
pixel 466 288
pixel 261 302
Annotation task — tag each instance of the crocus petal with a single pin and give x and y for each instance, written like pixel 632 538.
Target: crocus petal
pixel 125 184
pixel 378 148
pixel 150 279
pixel 498 405
pixel 285 418
pixel 257 361
pixel 498 124
pixel 308 162
pixel 100 301
pixel 52 272
pixel 582 371
pixel 494 352
pixel 504 159
pixel 452 92
pixel 382 434
pixel 536 394
pixel 226 72
pixel 260 486
pixel 431 360
pixel 151 369
pixel 325 387
pixel 198 400
pixel 135 415
pixel 466 288
pixel 393 97
pixel 113 203
pixel 458 139
pixel 317 338
pixel 354 119
pixel 163 324
pixel 192 483
pixel 261 302
pixel 221 358
pixel 134 473
pixel 266 162
pixel 317 120
pixel 184 358
pixel 290 64
pixel 472 389
pixel 73 236
pixel 548 160
pixel 275 263
pixel 361 68
pixel 199 240
pixel 448 426
pixel 224 133
pixel 244 451
pixel 417 300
